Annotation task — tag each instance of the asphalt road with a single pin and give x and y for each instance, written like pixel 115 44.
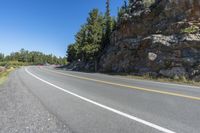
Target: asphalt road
pixel 22 112
pixel 98 103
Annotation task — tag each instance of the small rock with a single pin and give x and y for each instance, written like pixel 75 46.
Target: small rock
pixel 152 56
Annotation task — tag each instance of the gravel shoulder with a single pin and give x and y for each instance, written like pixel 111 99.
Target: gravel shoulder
pixel 22 112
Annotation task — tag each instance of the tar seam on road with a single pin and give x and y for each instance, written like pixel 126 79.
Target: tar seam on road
pixel 132 87
pixel 106 107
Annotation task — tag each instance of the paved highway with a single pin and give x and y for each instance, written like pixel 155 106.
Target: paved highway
pixel 98 103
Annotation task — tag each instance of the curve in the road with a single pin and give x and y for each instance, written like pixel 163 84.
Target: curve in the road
pixel 157 127
pixel 128 86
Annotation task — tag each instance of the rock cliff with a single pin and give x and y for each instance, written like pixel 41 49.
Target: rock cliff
pixel 156 37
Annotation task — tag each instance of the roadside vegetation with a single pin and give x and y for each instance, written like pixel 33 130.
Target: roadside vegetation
pixel 4 74
pixel 179 80
pixel 25 57
pixel 12 64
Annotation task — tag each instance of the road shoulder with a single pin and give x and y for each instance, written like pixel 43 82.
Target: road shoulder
pixel 21 112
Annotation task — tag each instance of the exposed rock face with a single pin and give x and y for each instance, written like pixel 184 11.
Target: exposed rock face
pixel 175 71
pixel 162 37
pixel 80 66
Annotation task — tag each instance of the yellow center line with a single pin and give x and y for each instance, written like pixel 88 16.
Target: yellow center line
pixel 128 86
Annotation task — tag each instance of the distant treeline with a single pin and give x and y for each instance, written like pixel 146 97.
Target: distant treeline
pixel 30 57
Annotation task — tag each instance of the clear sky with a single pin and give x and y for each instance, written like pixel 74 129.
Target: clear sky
pixel 44 25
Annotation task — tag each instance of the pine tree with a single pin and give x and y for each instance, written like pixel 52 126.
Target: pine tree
pixel 80 38
pixel 108 24
pixel 72 52
pixel 94 34
pixel 2 57
pixel 88 39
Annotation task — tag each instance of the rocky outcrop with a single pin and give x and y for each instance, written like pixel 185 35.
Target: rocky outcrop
pixel 80 66
pixel 161 37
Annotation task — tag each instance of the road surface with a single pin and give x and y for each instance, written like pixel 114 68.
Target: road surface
pixel 98 103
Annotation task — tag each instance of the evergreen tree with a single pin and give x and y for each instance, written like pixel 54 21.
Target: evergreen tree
pixel 94 35
pixel 2 57
pixel 108 24
pixel 72 52
pixel 81 42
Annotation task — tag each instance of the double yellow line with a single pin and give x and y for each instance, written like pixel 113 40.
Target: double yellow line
pixel 128 86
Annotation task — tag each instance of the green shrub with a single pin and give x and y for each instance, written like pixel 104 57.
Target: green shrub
pixel 183 79
pixel 175 77
pixel 148 3
pixel 13 64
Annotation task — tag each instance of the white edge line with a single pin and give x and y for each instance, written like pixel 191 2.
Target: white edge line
pixel 106 107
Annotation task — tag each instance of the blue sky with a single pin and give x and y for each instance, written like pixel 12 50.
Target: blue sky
pixel 44 25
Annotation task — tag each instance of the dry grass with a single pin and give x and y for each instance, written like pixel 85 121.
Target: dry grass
pixel 4 75
pixel 182 81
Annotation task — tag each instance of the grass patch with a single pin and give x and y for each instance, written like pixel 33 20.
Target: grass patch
pixel 9 66
pixel 4 75
pixel 181 80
